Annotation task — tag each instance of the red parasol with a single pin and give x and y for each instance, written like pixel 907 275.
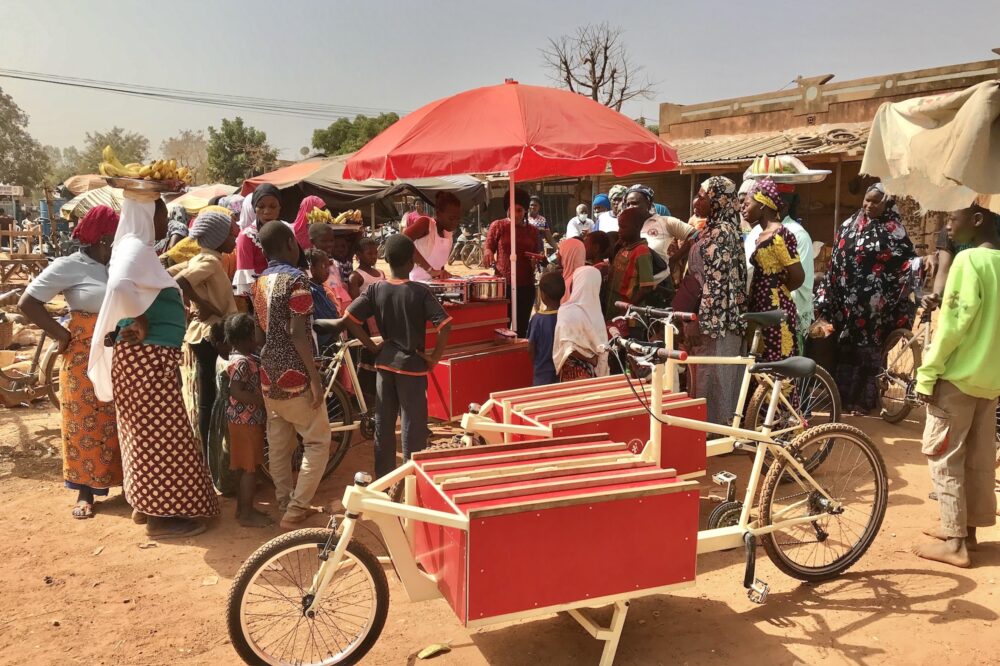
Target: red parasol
pixel 528 131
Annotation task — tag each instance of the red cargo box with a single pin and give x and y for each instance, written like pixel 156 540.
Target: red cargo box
pixel 608 405
pixel 473 322
pixel 469 373
pixel 553 524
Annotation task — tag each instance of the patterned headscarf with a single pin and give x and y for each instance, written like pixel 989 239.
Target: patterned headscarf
pixel 643 190
pixel 617 191
pixel 764 191
pixel 722 197
pixel 99 221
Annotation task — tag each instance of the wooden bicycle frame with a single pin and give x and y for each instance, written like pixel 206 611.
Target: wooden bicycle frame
pixel 341 358
pixel 396 520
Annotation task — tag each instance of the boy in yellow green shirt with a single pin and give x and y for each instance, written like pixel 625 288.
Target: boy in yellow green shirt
pixel 960 381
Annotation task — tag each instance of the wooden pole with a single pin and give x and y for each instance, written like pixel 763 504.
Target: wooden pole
pixel 513 255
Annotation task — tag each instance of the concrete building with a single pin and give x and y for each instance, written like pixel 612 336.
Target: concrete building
pixel 824 123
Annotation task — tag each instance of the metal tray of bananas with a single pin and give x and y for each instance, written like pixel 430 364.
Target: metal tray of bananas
pixel 163 186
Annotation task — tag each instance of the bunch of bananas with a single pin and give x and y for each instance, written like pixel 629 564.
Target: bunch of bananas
pixel 158 170
pixel 319 216
pixel 349 216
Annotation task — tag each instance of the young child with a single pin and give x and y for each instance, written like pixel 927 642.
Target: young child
pixel 542 328
pixel 401 309
pixel 323 306
pixel 960 381
pixel 290 381
pixel 246 417
pixel 365 276
pixel 226 480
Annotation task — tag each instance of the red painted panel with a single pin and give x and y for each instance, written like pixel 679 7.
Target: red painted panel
pixel 441 551
pixel 519 562
pixel 455 382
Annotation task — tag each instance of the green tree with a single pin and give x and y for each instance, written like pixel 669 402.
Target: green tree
pixel 23 161
pixel 346 136
pixel 190 149
pixel 62 164
pixel 237 151
pixel 128 146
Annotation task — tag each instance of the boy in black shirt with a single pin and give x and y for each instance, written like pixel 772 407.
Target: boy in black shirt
pixel 401 309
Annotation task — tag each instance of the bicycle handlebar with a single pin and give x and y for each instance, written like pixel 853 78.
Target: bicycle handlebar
pixel 656 313
pixel 647 348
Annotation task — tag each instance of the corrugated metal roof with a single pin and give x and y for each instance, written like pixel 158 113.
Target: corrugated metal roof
pixel 843 139
pixel 104 196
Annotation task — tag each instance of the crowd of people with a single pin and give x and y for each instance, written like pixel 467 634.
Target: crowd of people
pixel 243 302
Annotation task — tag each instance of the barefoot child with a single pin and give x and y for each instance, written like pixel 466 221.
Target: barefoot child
pixel 542 328
pixel 246 417
pixel 960 381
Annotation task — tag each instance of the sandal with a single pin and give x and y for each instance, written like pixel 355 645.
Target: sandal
pixel 83 510
pixel 174 528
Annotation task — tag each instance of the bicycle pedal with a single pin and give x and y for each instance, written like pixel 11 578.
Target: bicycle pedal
pixel 758 591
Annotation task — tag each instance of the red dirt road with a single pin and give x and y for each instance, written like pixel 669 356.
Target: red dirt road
pixel 88 592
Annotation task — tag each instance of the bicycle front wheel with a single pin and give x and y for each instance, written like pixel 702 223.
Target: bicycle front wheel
pixel 854 477
pixel 265 610
pixel 474 258
pixel 50 374
pixel 900 360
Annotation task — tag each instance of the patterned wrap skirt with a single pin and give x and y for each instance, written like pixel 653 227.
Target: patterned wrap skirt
pixel 91 457
pixel 165 471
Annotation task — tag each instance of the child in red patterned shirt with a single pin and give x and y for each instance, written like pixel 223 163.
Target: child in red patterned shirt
pixel 246 417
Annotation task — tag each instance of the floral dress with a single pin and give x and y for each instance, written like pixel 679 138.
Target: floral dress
pixel 770 261
pixel 866 295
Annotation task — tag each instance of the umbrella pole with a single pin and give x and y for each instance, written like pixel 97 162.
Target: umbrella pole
pixel 513 255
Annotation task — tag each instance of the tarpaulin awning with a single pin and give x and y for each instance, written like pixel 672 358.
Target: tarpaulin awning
pixel 197 198
pixel 79 205
pixel 84 183
pixel 942 150
pixel 285 177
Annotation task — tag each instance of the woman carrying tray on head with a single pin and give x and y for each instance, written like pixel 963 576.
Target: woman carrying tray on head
pixel 165 477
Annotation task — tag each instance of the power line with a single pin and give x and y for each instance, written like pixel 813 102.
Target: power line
pixel 264 105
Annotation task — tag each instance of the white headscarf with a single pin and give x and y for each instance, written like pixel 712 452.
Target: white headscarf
pixel 135 279
pixel 248 216
pixel 580 324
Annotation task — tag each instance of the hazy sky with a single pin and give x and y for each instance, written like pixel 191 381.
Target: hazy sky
pixel 401 55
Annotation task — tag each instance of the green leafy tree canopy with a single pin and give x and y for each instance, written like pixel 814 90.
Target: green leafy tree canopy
pixel 237 151
pixel 128 146
pixel 23 161
pixel 346 136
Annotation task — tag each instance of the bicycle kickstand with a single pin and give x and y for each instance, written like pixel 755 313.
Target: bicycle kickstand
pixel 756 588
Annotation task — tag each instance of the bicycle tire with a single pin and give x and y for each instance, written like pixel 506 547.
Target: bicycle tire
pixel 381 250
pixel 899 409
pixel 828 435
pixel 50 374
pixel 268 555
pixel 757 409
pixel 337 403
pixel 474 258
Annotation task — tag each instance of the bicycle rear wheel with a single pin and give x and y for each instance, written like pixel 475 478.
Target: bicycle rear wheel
pixel 900 360
pixel 474 258
pixel 51 365
pixel 853 475
pixel 265 610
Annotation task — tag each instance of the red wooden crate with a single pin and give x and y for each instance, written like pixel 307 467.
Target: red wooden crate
pixel 469 373
pixel 553 523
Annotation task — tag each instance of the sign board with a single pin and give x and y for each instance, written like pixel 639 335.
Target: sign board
pixel 11 191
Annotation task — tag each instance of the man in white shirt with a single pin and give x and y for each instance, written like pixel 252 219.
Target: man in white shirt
pixel 803 296
pixel 581 224
pixel 608 221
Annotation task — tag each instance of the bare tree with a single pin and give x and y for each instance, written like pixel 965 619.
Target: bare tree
pixel 594 62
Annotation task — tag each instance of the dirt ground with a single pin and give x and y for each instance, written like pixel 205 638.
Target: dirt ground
pixel 92 592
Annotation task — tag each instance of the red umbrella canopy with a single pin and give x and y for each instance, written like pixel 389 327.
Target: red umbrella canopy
pixel 531 131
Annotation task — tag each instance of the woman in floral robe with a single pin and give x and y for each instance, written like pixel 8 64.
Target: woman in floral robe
pixel 867 294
